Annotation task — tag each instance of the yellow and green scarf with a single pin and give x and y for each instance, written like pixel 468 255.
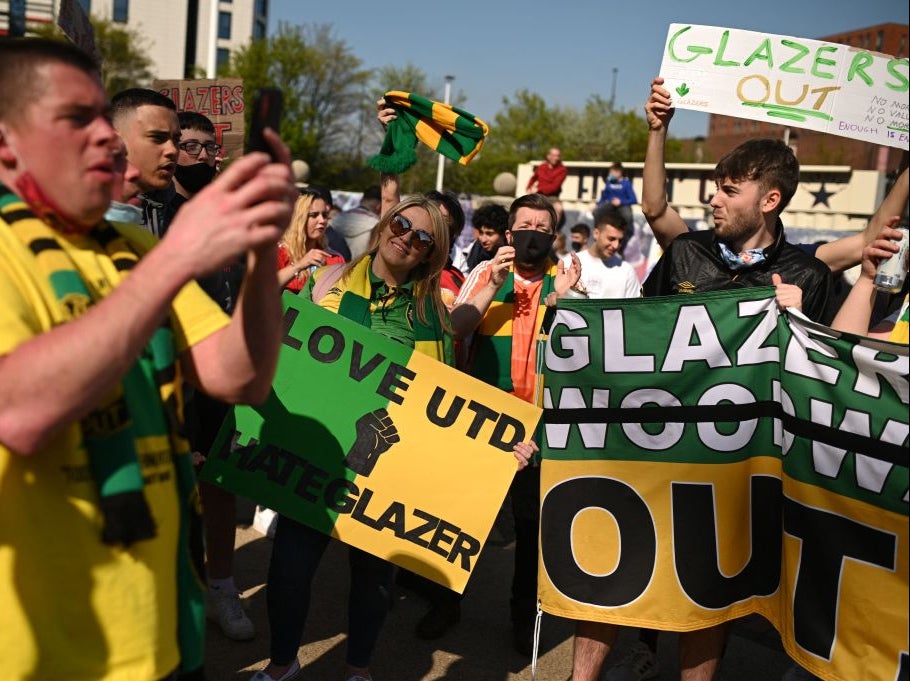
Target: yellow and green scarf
pixel 350 297
pixel 448 130
pixel 110 431
pixel 492 345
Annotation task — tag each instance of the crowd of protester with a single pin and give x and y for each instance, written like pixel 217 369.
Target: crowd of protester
pixel 140 294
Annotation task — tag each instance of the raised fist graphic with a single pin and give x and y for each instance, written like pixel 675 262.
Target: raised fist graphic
pixel 375 435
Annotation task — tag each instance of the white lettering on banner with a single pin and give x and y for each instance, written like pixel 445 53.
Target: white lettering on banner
pixel 579 355
pixel 873 365
pixel 753 350
pixel 797 358
pixel 694 321
pixel 708 433
pixel 594 435
pixel 615 358
pixel 671 432
pixel 871 473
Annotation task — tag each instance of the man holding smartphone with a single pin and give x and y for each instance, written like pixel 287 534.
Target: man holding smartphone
pixel 99 325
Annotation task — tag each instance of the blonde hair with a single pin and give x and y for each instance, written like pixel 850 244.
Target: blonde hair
pixel 426 275
pixel 295 236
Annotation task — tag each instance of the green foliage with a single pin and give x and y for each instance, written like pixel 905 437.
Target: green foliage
pixel 323 85
pixel 330 116
pixel 124 57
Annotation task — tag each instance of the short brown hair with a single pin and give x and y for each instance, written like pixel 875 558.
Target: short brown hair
pixel 769 162
pixel 535 202
pixel 20 59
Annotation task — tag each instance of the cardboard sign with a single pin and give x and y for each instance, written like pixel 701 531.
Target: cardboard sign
pixel 376 444
pixel 803 83
pixel 707 457
pixel 74 22
pixel 220 100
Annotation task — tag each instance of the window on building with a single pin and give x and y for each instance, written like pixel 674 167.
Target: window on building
pixel 900 52
pixel 262 8
pixel 86 5
pixel 879 40
pixel 222 58
pixel 121 12
pixel 224 25
pixel 258 29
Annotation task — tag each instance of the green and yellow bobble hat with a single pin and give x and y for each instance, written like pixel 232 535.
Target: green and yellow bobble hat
pixel 448 130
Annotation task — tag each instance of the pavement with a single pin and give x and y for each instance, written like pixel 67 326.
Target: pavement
pixel 479 648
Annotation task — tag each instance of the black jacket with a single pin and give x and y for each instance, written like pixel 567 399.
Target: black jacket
pixel 692 264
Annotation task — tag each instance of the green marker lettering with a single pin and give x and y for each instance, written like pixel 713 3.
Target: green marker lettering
pixel 719 57
pixel 801 51
pixel 763 51
pixel 858 67
pixel 696 50
pixel 821 61
pixel 901 85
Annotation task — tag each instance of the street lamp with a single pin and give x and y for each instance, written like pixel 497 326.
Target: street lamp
pixel 440 167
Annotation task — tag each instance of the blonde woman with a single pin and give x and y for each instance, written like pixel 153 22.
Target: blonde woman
pixel 394 289
pixel 303 247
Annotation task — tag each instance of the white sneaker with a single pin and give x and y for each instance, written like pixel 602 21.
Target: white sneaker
pixel 224 608
pixel 638 664
pixel 287 676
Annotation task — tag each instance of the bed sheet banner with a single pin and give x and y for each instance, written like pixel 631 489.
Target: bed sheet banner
pixel 380 446
pixel 798 82
pixel 707 457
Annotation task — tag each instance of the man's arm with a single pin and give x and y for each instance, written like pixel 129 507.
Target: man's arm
pixel 856 311
pixel 664 220
pixel 60 376
pixel 846 252
pixel 390 190
pixel 475 297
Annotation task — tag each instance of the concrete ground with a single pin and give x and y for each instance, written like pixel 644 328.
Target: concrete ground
pixel 478 649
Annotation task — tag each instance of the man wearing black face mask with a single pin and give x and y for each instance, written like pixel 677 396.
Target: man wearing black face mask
pixel 503 303
pixel 198 153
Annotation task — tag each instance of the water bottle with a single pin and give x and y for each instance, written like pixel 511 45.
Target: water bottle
pixel 891 272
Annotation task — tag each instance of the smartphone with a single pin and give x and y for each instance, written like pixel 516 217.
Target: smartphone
pixel 268 105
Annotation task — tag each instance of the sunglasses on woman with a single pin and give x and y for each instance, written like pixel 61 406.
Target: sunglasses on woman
pixel 400 226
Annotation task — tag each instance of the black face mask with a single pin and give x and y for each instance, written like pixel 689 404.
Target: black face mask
pixel 195 177
pixel 577 246
pixel 532 248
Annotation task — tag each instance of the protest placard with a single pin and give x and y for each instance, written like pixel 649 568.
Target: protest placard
pixel 220 100
pixel 377 445
pixel 707 457
pixel 799 82
pixel 75 24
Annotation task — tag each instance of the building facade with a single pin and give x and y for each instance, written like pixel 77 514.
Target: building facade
pixel 817 148
pixel 183 38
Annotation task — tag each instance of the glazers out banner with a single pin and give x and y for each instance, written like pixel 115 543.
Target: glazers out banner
pixel 707 457
pixel 383 447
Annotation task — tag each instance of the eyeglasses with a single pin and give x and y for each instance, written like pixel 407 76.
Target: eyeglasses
pixel 194 148
pixel 400 226
pixel 315 214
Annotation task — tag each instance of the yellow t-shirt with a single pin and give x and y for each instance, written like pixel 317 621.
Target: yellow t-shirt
pixel 71 607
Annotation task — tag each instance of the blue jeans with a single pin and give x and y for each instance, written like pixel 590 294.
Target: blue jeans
pixel 296 553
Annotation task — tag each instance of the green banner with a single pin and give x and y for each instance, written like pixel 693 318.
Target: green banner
pixel 377 445
pixel 707 457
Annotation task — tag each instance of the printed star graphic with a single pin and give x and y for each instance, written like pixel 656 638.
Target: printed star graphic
pixel 822 196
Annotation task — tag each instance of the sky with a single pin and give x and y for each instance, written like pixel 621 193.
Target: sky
pixel 565 51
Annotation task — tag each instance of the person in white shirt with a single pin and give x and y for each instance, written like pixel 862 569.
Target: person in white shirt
pixel 603 273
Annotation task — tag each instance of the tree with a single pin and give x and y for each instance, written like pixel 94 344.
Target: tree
pixel 323 85
pixel 524 129
pixel 124 59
